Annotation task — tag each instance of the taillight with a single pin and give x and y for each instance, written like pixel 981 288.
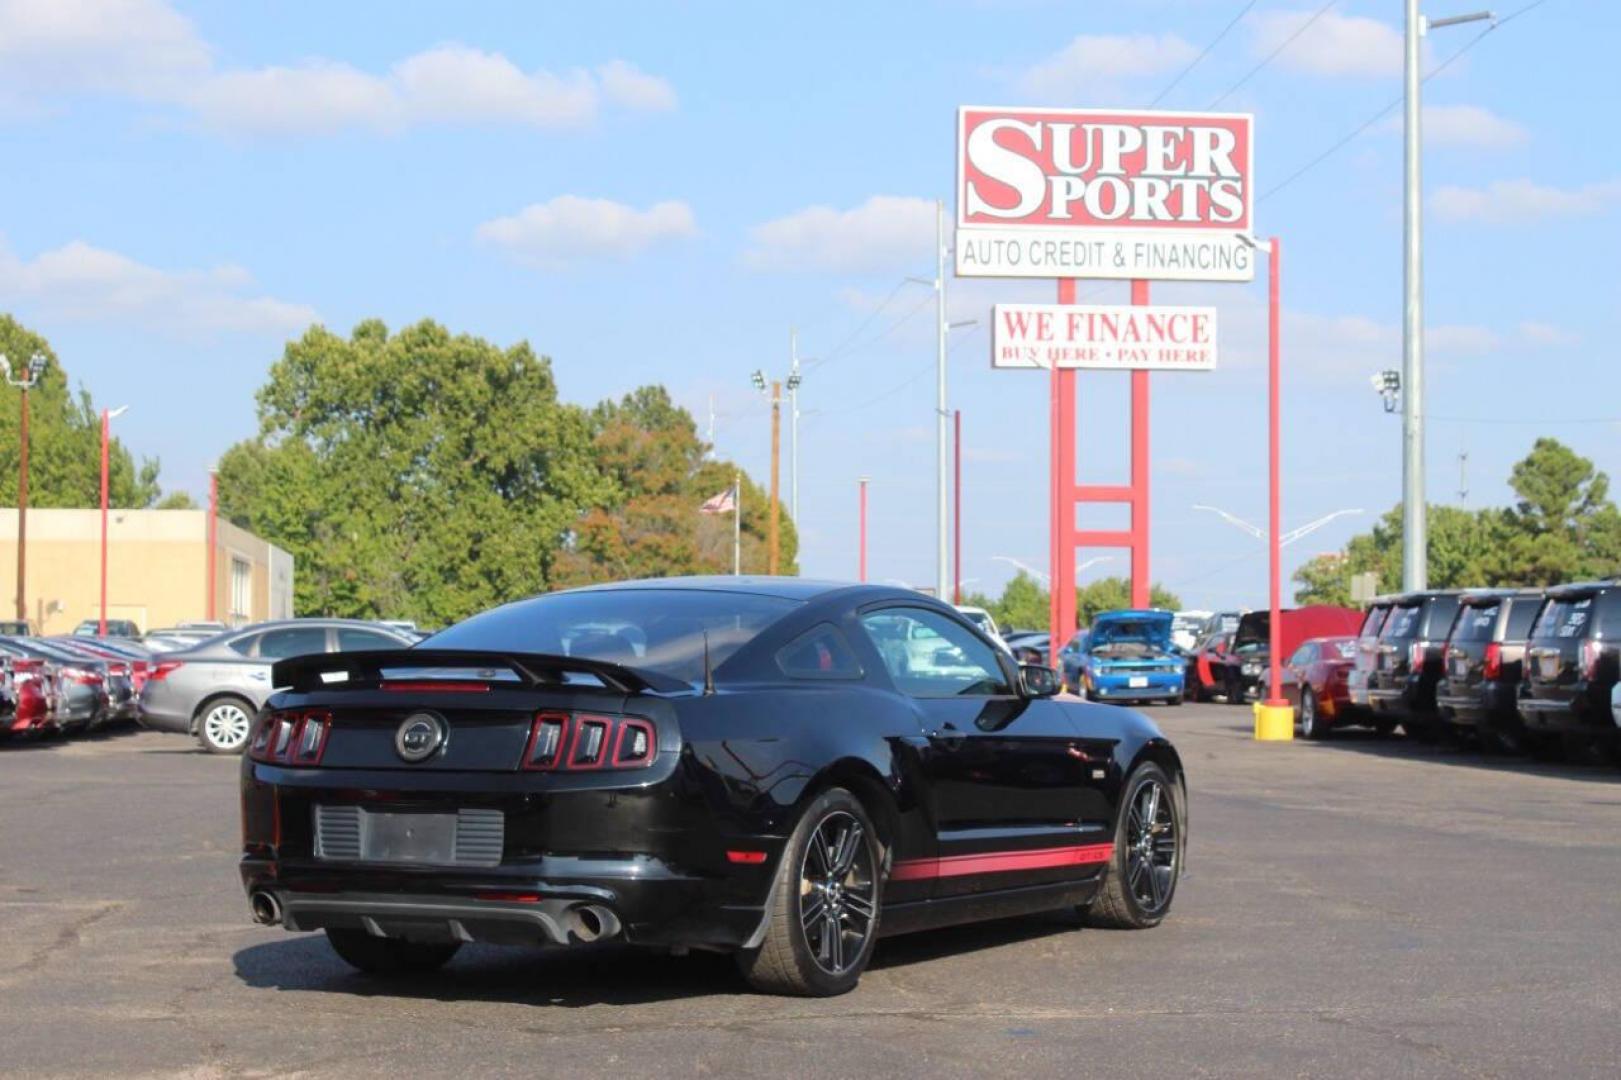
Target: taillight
pixel 1592 651
pixel 291 738
pixel 561 741
pixel 1415 655
pixel 163 668
pixel 1494 661
pixel 83 676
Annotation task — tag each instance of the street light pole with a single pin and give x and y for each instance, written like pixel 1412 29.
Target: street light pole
pixel 861 558
pixel 24 382
pixel 106 438
pixel 793 425
pixel 942 418
pixel 1414 517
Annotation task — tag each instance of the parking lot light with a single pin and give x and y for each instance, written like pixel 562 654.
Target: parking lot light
pixel 106 437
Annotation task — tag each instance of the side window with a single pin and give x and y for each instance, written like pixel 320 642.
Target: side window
pixel 244 644
pixel 1374 620
pixel 930 655
pixel 819 653
pixel 1303 656
pixel 1522 612
pixel 292 641
pixel 353 640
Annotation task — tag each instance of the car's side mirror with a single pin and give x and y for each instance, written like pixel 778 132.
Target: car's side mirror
pixel 1039 680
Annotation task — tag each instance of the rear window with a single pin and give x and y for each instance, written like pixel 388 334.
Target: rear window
pixel 1438 614
pixel 1402 623
pixel 1475 622
pixel 1522 612
pixel 1344 649
pixel 658 630
pixel 1373 621
pixel 1567 618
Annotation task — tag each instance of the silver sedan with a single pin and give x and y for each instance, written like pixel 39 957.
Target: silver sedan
pixel 213 690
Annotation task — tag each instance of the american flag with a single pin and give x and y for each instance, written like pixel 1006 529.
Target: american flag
pixel 724 503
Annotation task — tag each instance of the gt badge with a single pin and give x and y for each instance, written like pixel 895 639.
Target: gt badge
pixel 420 737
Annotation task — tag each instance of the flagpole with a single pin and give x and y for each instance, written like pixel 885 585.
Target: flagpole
pixel 737 524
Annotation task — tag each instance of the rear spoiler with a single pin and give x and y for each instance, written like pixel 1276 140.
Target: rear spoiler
pixel 364 670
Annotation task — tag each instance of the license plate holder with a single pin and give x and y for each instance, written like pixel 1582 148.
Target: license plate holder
pixel 1460 668
pixel 1548 667
pixel 424 839
pixel 1137 682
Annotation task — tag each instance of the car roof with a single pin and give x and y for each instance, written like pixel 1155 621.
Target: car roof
pixel 1581 588
pixel 787 588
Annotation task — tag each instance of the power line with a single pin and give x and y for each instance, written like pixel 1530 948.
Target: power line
pixel 872 317
pixel 1545 421
pixel 1383 112
pixel 1288 41
pixel 1245 10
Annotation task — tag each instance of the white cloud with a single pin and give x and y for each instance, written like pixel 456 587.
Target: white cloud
pixel 141 47
pixel 568 228
pixel 1099 65
pixel 1541 333
pixel 1506 202
pixel 1465 125
pixel 887 232
pixel 146 50
pixel 1333 44
pixel 81 282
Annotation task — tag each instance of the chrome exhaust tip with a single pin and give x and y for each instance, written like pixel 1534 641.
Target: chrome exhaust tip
pixel 592 922
pixel 266 908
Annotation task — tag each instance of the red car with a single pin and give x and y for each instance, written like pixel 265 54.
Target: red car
pixel 1314 681
pixel 28 682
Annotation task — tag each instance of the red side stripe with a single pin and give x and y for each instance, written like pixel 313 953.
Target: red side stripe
pixel 1001 861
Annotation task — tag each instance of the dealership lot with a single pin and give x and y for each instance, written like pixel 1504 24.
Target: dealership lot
pixel 1360 907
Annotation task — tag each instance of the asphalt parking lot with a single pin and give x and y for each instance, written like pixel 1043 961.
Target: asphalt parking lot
pixel 1356 908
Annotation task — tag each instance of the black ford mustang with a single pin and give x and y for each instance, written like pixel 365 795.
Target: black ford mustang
pixel 773 767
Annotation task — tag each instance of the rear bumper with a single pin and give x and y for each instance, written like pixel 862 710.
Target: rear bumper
pixel 1580 713
pixel 161 709
pixel 649 903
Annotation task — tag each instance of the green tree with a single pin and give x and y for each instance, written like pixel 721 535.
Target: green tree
pixel 1114 593
pixel 64 438
pixel 428 476
pixel 1024 602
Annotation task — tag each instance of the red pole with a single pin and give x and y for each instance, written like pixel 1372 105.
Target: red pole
pixel 22 513
pixel 956 507
pixel 106 425
pixel 1274 697
pixel 863 540
pixel 1063 580
pixel 213 536
pixel 1140 596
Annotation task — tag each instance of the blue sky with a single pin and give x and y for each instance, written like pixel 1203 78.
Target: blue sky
pixel 658 192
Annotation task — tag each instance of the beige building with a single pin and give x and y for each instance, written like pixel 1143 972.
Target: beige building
pixel 157 569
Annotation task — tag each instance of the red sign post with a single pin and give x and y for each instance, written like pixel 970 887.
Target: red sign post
pixel 1087 193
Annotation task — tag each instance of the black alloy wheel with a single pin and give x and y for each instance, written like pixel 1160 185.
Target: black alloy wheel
pixel 1147 858
pixel 825 903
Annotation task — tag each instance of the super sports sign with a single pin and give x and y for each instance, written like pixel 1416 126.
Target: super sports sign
pixel 1101 194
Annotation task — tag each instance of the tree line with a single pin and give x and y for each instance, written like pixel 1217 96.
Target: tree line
pixel 1563 526
pixel 1023 603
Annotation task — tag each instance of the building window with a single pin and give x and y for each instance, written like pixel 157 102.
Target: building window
pixel 241 590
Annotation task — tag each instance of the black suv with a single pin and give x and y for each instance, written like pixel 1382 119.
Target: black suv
pixel 1571 662
pixel 1480 683
pixel 1407 659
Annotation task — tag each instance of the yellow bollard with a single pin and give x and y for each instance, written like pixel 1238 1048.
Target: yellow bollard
pixel 1274 723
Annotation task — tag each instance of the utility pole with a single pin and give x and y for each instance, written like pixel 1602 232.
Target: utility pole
pixel 737 524
pixel 942 418
pixel 776 458
pixel 106 439
pixel 793 425
pixel 1415 546
pixel 861 542
pixel 24 382
pixel 1463 476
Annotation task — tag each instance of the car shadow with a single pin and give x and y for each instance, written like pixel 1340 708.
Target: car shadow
pixel 584 975
pixel 1464 753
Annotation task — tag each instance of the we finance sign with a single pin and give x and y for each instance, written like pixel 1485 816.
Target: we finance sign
pixel 1102 194
pixel 1104 337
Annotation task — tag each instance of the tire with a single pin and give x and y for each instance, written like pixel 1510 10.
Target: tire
pixel 1384 728
pixel 389 956
pixel 1125 903
pixel 815 908
pixel 1312 724
pixel 1234 689
pixel 224 723
pixel 1174 701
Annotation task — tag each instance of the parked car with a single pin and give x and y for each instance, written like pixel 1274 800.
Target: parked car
pixel 1205 664
pixel 213 690
pixel 79 701
pixel 1571 663
pixel 1187 627
pixel 138 655
pixel 14 628
pixel 1129 657
pixel 117 671
pixel 33 688
pixel 1314 679
pixel 1408 660
pixel 115 628
pixel 1029 648
pixel 1485 652
pixel 1241 671
pixel 484 788
pixel 1367 653
pixel 982 619
pixel 1072 658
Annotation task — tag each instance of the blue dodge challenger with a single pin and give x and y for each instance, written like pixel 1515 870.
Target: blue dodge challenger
pixel 1130 657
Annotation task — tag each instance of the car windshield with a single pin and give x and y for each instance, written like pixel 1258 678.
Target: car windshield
pixel 657 630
